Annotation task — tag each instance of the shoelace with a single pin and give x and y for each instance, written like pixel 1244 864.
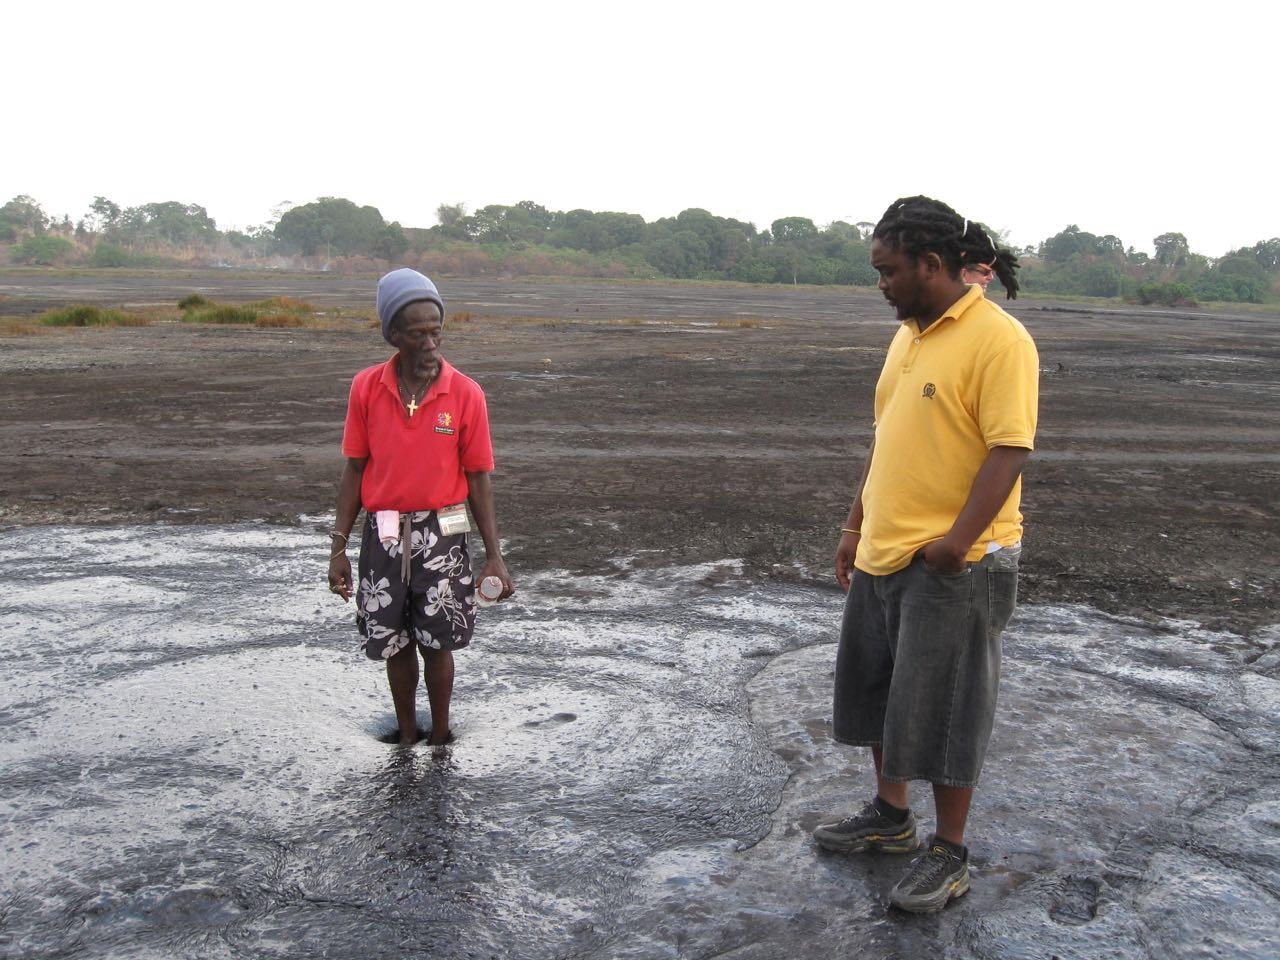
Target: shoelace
pixel 930 867
pixel 865 815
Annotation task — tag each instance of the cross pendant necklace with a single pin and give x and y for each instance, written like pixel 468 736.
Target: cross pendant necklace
pixel 413 406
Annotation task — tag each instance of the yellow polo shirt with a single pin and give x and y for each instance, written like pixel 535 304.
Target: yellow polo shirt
pixel 945 397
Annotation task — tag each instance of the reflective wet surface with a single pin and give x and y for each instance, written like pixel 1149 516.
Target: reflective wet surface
pixel 190 767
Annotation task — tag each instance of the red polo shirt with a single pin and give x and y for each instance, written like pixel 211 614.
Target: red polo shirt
pixel 418 462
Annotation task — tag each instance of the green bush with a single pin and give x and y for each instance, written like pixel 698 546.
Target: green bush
pixel 1100 279
pixel 109 255
pixel 113 255
pixel 220 313
pixel 86 315
pixel 1235 279
pixel 1166 294
pixel 42 250
pixel 275 312
pixel 753 270
pixel 1231 289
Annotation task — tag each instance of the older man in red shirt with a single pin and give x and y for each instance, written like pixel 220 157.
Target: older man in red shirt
pixel 418 452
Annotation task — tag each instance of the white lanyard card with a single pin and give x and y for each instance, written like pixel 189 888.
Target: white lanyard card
pixel 453 520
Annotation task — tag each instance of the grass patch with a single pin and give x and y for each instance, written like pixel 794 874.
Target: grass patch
pixel 87 315
pixel 284 305
pixel 222 313
pixel 280 320
pixel 1235 306
pixel 274 312
pixel 16 327
pixel 743 323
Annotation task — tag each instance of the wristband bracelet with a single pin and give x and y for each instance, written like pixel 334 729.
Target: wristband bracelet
pixel 335 533
pixel 847 530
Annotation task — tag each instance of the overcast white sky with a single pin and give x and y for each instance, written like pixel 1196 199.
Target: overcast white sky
pixel 1125 118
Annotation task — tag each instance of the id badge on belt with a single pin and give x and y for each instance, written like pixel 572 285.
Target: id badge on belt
pixel 453 520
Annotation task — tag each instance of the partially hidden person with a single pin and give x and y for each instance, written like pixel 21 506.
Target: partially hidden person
pixel 929 552
pixel 983 260
pixel 418 453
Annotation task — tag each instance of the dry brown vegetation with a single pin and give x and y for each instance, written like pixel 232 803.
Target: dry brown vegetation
pixel 280 320
pixel 285 304
pixel 272 312
pixel 17 327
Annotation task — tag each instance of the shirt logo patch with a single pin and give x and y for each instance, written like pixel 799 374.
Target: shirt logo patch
pixel 444 423
pixel 929 391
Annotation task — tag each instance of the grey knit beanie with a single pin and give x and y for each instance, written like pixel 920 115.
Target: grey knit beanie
pixel 401 287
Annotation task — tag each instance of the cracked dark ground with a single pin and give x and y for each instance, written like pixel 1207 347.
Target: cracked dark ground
pixel 676 423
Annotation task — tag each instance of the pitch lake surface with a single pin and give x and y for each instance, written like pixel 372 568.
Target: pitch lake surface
pixel 191 767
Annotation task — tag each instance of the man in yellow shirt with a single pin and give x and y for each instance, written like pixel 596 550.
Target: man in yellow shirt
pixel 933 539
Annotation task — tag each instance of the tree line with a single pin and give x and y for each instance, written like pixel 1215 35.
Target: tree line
pixel 527 239
pixel 1078 262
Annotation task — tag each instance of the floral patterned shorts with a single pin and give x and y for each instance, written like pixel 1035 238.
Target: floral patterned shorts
pixel 436 608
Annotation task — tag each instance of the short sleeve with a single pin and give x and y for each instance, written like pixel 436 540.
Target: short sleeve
pixel 1009 396
pixel 475 448
pixel 355 432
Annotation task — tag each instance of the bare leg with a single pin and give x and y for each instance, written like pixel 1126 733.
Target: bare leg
pixel 402 675
pixel 438 667
pixel 952 804
pixel 889 790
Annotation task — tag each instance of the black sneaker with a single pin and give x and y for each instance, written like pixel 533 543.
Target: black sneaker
pixel 869 830
pixel 935 878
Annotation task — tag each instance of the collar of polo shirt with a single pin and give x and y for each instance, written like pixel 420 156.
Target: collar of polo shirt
pixel 953 312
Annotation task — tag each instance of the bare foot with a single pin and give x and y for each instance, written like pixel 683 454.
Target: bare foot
pixel 437 740
pixel 408 739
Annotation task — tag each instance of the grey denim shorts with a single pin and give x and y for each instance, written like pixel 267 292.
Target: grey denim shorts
pixel 918 666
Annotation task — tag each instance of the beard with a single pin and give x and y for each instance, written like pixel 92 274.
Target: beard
pixel 420 366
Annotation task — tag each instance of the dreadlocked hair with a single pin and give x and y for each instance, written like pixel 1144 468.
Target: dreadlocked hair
pixel 920 225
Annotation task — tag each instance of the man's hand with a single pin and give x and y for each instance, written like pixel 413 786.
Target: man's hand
pixel 990 489
pixel 340 580
pixel 845 552
pixel 496 567
pixel 340 575
pixel 944 556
